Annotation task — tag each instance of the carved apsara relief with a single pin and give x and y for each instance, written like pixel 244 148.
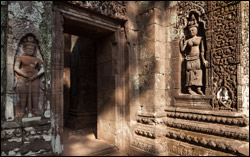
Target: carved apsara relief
pixel 221 37
pixel 29 83
pixel 193 49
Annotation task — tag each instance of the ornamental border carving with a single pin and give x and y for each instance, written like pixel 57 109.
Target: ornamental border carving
pixel 203 141
pixel 226 132
pixel 148 120
pixel 145 132
pixel 144 145
pixel 114 9
pixel 209 118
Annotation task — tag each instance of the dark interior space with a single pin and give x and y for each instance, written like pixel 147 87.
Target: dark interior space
pixel 87 86
pixel 80 74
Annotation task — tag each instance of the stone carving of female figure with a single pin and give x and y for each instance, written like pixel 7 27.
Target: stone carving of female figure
pixel 193 57
pixel 28 70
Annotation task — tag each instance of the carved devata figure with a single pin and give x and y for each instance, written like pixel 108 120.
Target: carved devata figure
pixel 28 70
pixel 192 48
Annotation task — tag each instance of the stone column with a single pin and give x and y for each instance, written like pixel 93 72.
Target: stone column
pixel 151 59
pixel 151 77
pixel 245 57
pixel 4 7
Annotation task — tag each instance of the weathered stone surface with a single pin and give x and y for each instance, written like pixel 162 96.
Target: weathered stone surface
pixel 11 125
pixel 153 32
pixel 144 6
pixel 245 57
pixel 6 146
pixel 153 16
pixel 112 8
pixel 117 66
pixel 35 121
pixel 132 11
pixel 35 146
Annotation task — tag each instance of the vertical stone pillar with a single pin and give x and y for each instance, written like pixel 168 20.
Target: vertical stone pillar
pixel 57 83
pixel 173 57
pixel 151 78
pixel 245 57
pixel 3 55
pixel 244 68
pixel 151 57
pixel 131 83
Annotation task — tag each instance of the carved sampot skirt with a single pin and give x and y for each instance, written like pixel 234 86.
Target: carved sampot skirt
pixel 193 73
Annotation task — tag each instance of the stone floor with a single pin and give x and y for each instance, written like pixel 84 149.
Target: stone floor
pixel 83 142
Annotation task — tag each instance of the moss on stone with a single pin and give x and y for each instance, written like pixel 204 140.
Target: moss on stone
pixel 46 42
pixel 3 56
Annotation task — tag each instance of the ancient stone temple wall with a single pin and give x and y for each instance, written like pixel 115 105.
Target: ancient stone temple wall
pixel 26 131
pixel 205 110
pixel 167 78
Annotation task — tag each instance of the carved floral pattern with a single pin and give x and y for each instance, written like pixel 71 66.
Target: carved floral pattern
pixel 225 53
pixel 109 8
pixel 185 7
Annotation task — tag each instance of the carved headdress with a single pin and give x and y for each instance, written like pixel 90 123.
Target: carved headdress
pixel 192 22
pixel 29 40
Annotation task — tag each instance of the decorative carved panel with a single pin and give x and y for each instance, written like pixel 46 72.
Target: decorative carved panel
pixel 222 49
pixel 193 86
pixel 114 9
pixel 225 53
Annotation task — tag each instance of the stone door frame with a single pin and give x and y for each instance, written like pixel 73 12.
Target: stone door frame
pixel 60 12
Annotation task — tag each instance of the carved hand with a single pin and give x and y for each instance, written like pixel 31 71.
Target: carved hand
pixel 32 78
pixel 183 40
pixel 205 62
pixel 183 43
pixel 25 75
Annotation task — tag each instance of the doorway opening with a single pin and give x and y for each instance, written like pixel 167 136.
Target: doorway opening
pixel 88 89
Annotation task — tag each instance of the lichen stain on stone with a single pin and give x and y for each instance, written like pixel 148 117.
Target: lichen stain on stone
pixel 143 54
pixel 9 114
pixel 30 11
pixel 47 137
pixel 136 82
pixel 15 140
pixel 9 131
pixel 46 43
pixel 56 144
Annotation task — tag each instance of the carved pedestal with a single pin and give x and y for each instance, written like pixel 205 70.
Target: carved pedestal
pixel 193 101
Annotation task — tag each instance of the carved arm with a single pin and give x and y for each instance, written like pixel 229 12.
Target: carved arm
pixel 183 44
pixel 205 62
pixel 38 74
pixel 17 68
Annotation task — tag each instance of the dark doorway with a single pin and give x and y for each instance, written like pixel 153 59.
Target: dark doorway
pixel 80 82
pixel 87 72
pixel 80 74
pixel 87 79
